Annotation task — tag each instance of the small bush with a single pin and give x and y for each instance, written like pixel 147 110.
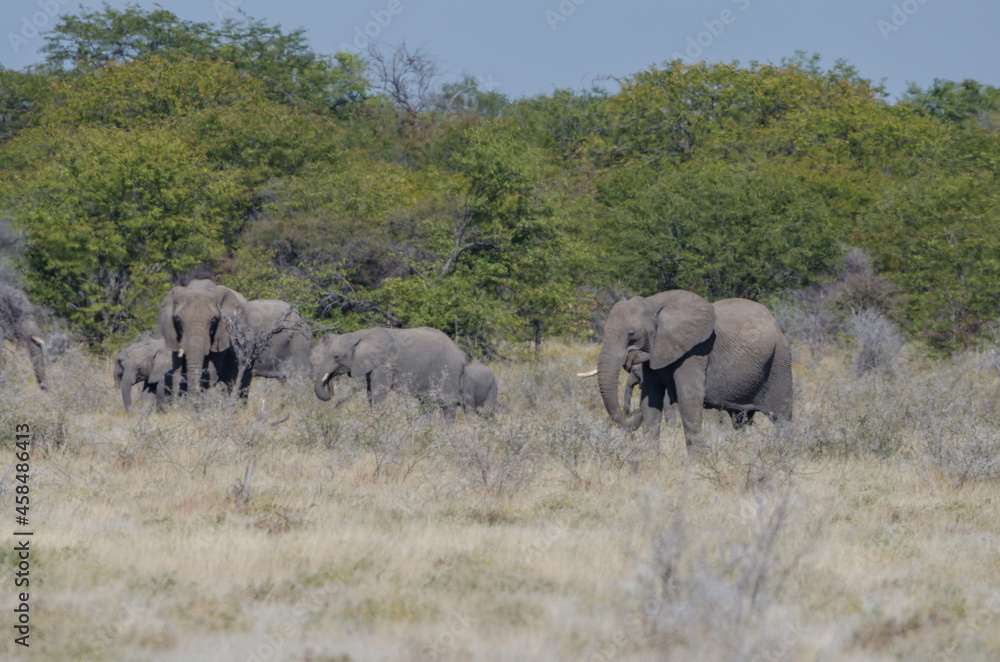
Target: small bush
pixel 877 341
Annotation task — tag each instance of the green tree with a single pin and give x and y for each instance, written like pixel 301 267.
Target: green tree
pixel 956 102
pixel 292 72
pixel 111 215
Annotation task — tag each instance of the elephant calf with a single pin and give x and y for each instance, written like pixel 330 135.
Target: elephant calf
pixel 146 361
pixel 479 389
pixel 423 362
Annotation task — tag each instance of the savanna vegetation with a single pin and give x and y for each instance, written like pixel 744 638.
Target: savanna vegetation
pixel 370 191
pixel 149 149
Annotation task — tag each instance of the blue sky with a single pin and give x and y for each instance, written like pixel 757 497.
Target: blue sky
pixel 527 47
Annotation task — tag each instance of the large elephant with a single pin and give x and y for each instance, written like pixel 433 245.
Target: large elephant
pixel 285 338
pixel 730 355
pixel 198 325
pixel 479 389
pixel 423 362
pixel 146 361
pixel 18 324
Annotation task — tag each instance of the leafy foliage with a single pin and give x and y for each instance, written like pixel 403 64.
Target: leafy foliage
pixel 150 146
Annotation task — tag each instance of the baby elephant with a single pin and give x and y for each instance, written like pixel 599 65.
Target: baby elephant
pixel 479 389
pixel 146 361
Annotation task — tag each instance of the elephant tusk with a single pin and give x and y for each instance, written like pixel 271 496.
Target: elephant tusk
pixel 326 377
pixel 180 353
pixel 38 341
pixel 590 373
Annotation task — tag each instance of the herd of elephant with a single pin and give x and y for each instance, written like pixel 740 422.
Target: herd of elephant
pixel 675 346
pixel 208 334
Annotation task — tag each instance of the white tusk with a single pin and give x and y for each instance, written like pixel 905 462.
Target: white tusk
pixel 326 377
pixel 180 353
pixel 38 341
pixel 587 374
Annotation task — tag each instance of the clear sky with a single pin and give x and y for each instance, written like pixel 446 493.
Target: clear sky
pixel 527 47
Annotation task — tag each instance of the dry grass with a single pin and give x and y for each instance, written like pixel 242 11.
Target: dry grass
pixel 865 530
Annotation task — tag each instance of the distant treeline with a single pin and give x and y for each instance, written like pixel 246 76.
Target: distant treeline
pixel 149 149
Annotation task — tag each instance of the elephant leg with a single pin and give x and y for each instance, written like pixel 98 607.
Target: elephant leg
pixel 448 409
pixel 244 385
pixel 689 380
pixel 378 385
pixel 652 394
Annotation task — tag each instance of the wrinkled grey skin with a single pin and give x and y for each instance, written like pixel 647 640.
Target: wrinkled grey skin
pixel 423 362
pixel 289 339
pixel 479 389
pixel 195 324
pixel 730 355
pixel 146 361
pixel 18 325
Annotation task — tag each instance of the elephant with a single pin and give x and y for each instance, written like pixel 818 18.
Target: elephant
pixel 285 337
pixel 18 324
pixel 479 389
pixel 423 362
pixel 146 361
pixel 199 326
pixel 729 355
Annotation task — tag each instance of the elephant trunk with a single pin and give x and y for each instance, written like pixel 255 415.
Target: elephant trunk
pixel 323 387
pixel 194 360
pixel 609 362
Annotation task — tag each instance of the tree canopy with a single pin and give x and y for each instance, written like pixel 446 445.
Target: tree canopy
pixel 368 192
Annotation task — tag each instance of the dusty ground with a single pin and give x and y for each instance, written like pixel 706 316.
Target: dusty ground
pixel 869 529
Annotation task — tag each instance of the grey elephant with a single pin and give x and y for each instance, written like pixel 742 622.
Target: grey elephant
pixel 729 355
pixel 146 361
pixel 479 389
pixel 284 338
pixel 19 325
pixel 198 325
pixel 423 362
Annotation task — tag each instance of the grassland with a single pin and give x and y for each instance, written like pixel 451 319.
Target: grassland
pixel 868 529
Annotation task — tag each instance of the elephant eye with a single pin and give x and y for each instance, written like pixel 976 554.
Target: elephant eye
pixel 631 334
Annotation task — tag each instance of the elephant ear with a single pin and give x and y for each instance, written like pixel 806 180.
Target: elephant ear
pixel 683 321
pixel 232 312
pixel 165 322
pixel 376 347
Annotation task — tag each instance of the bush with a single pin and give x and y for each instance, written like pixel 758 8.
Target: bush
pixel 877 341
